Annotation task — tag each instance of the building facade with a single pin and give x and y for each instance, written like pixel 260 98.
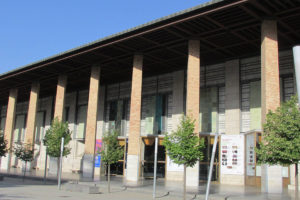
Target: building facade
pixel 226 63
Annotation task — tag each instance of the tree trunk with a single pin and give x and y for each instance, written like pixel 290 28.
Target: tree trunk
pixel 108 176
pixel 184 183
pixel 296 181
pixel 24 171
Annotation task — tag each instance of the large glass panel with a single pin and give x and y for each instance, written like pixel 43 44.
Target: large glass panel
pixel 208 109
pixel 118 116
pixel 118 168
pixel 66 114
pixel 81 122
pixel 19 128
pixel 148 163
pixel 39 126
pixel 154 114
pixel 2 124
pixel 113 109
pixel 205 163
pixel 125 117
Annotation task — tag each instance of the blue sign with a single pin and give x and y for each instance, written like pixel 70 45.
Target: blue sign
pixel 97 161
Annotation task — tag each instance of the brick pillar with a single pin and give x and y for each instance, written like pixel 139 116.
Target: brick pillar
pixel 60 97
pixel 133 159
pixel 9 127
pixel 31 115
pixel 91 124
pixel 271 179
pixel 193 100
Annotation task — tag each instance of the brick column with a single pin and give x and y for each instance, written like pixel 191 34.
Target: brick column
pixel 133 159
pixel 91 124
pixel 193 100
pixel 60 97
pixel 9 127
pixel 31 115
pixel 271 179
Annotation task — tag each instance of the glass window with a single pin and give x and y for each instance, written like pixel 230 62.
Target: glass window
pixel 81 122
pixel 118 116
pixel 2 124
pixel 19 128
pixel 154 114
pixel 66 114
pixel 39 126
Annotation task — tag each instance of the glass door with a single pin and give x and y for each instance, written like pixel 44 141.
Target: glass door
pixel 148 161
pixel 205 163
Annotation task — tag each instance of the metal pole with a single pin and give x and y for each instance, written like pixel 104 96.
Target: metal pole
pixel 211 166
pixel 60 162
pixel 155 167
pixel 296 52
pixel 45 169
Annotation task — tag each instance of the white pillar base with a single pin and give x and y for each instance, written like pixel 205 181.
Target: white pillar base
pixel 53 166
pixel 192 176
pixel 292 187
pixel 5 163
pixel 132 172
pixel 88 166
pixel 271 179
pixel 230 179
pixel 28 167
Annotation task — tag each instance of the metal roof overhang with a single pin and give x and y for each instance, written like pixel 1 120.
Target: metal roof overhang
pixel 227 29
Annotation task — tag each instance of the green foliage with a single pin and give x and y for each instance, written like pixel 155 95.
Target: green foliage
pixel 3 145
pixel 183 146
pixel 24 152
pixel 53 137
pixel 281 139
pixel 111 152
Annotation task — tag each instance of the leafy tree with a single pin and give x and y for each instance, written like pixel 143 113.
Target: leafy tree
pixel 53 136
pixel 3 145
pixel 184 147
pixel 281 136
pixel 24 152
pixel 111 152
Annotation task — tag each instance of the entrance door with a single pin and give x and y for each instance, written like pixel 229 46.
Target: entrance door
pixel 205 163
pixel 253 170
pixel 148 162
pixel 119 167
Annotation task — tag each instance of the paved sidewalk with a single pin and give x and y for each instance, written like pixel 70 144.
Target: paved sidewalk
pixel 34 188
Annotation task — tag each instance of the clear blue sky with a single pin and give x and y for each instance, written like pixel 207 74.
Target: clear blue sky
pixel 34 29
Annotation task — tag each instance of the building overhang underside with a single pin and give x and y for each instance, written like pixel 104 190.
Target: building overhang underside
pixel 227 29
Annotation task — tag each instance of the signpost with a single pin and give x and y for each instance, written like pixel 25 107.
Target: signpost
pixel 45 169
pixel 155 167
pixel 211 166
pixel 60 161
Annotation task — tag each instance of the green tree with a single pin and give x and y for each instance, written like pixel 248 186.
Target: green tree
pixel 184 147
pixel 53 136
pixel 24 152
pixel 111 151
pixel 281 136
pixel 3 145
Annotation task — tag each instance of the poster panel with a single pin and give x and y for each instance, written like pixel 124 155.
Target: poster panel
pixel 97 151
pixel 173 167
pixel 250 155
pixel 232 154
